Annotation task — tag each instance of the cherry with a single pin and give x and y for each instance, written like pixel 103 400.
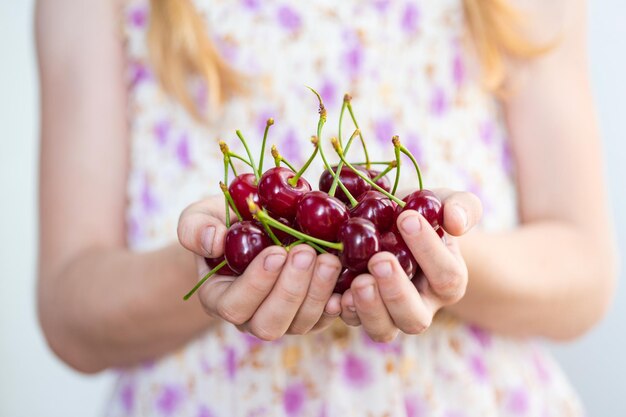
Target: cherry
pixel 277 195
pixel 393 243
pixel 284 237
pixel 345 281
pixel 383 182
pixel 243 242
pixel 213 262
pixel 426 203
pixel 320 215
pixel 353 183
pixel 360 241
pixel 243 186
pixel 377 208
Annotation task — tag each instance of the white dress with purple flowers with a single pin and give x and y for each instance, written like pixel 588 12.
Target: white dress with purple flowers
pixel 406 65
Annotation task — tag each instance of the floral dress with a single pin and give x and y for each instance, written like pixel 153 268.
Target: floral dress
pixel 407 65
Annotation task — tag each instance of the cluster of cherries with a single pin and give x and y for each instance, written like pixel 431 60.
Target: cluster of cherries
pixel 353 215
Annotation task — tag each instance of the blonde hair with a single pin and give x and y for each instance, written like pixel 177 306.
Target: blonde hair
pixel 180 48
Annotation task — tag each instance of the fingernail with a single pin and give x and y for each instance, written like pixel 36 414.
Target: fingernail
pixel 326 272
pixel 367 293
pixel 462 215
pixel 382 269
pixel 206 239
pixel 303 260
pixel 274 262
pixel 411 225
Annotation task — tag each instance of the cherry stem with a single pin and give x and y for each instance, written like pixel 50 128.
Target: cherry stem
pixel 228 153
pixel 333 187
pixel 392 165
pixel 245 145
pixel 366 178
pixel 322 112
pixel 244 160
pixel 271 234
pixel 335 175
pixel 203 280
pixel 396 150
pixel 294 180
pixel 372 163
pixel 346 98
pixel 404 150
pixel 367 157
pixel 278 158
pixel 269 122
pixel 262 216
pixel 301 241
pixel 227 208
pixel 230 201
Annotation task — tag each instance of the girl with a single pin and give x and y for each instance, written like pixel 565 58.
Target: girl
pixel 134 96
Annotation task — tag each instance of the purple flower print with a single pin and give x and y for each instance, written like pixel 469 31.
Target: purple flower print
pixel 251 4
pixel 384 130
pixel 381 5
pixel 328 91
pixel 517 401
pixel 138 17
pixel 438 102
pixel 458 69
pixel 480 335
pixel 487 132
pixel 540 366
pixel 356 371
pixel 478 368
pixel 182 151
pixel 162 130
pixel 138 74
pixel 169 399
pixel 288 18
pixel 413 143
pixel 454 413
pixel 353 60
pixel 134 230
pixel 204 411
pixel 506 157
pixel 410 18
pixel 148 201
pixel 230 362
pixel 289 148
pixel 127 397
pixel 294 398
pixel 414 406
pixel 393 347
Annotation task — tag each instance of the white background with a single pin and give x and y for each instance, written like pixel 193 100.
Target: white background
pixel 33 383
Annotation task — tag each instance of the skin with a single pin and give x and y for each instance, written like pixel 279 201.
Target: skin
pixel 102 305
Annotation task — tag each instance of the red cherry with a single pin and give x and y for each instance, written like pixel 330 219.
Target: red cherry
pixel 360 242
pixel 243 242
pixel 377 208
pixel 393 243
pixel 278 196
pixel 426 203
pixel 213 262
pixel 344 281
pixel 320 215
pixel 383 182
pixel 353 183
pixel 243 186
pixel 284 237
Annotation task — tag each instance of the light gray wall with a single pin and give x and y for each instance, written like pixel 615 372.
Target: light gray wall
pixel 33 383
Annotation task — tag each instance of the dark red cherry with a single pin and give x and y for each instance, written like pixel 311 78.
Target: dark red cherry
pixel 377 208
pixel 213 262
pixel 360 242
pixel 353 183
pixel 243 186
pixel 393 243
pixel 344 281
pixel 320 215
pixel 383 182
pixel 278 196
pixel 243 242
pixel 284 237
pixel 426 203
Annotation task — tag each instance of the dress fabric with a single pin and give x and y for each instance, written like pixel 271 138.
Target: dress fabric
pixel 407 65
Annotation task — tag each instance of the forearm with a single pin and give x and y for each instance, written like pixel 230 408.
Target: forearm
pixel 113 307
pixel 543 279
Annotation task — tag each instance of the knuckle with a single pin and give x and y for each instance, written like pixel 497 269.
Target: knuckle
pixel 231 315
pixel 290 295
pixel 395 295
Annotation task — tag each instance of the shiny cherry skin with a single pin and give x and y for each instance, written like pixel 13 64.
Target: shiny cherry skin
pixel 426 203
pixel 377 208
pixel 320 215
pixel 383 182
pixel 344 281
pixel 243 242
pixel 278 196
pixel 393 243
pixel 353 183
pixel 213 262
pixel 243 186
pixel 360 241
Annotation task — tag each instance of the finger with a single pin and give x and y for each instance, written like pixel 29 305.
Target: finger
pixel 348 309
pixel 238 303
pixel 461 211
pixel 330 314
pixel 402 300
pixel 325 274
pixel 444 269
pixel 275 314
pixel 201 229
pixel 372 311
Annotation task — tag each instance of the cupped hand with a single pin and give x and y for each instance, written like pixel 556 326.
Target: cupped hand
pixel 386 302
pixel 279 293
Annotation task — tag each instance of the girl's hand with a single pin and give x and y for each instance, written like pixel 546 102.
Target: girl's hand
pixel 386 301
pixel 279 293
